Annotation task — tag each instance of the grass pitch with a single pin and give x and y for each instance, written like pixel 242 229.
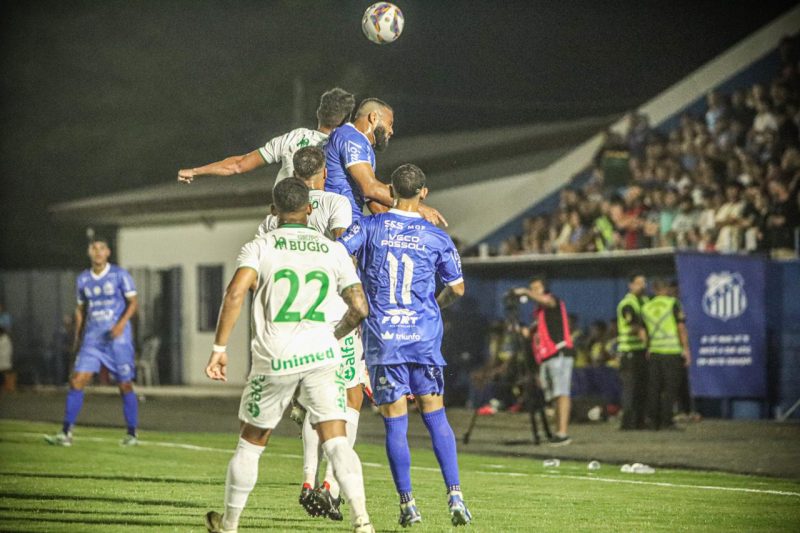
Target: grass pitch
pixel 171 480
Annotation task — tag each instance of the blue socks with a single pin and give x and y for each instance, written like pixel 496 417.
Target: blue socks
pixel 130 408
pixel 72 409
pixel 398 453
pixel 444 446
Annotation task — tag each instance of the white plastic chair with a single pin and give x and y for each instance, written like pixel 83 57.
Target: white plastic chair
pixel 147 365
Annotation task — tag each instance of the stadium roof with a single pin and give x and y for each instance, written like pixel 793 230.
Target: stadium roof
pixel 449 160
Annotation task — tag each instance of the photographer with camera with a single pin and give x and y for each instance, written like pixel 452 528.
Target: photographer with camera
pixel 552 349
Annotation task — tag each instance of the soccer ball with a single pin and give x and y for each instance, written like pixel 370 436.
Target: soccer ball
pixel 382 23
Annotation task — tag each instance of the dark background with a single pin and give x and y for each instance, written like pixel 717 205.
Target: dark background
pixel 99 97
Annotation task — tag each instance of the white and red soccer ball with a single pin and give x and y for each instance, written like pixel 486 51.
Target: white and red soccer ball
pixel 382 23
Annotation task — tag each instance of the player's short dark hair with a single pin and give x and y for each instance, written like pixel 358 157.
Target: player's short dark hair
pixel 366 103
pixel 408 180
pixel 100 238
pixel 308 161
pixel 335 107
pixel 290 195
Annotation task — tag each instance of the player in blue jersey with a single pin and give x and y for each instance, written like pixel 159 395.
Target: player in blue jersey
pixel 400 255
pixel 106 302
pixel 350 160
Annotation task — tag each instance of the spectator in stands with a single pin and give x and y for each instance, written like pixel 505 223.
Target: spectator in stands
pixel 754 217
pixel 739 112
pixel 783 219
pixel 728 219
pixel 684 226
pixel 717 110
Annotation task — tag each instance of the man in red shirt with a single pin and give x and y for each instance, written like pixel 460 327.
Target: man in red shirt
pixel 552 348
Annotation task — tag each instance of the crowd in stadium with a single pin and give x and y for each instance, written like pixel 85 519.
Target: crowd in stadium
pixel 727 180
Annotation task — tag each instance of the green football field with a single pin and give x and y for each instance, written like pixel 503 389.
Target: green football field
pixel 171 480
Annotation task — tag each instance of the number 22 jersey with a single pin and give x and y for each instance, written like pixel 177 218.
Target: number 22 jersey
pixel 296 303
pixel 400 254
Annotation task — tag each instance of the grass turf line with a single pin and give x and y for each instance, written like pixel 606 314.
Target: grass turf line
pixel 97 485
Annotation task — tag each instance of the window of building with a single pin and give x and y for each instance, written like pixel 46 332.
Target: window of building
pixel 209 296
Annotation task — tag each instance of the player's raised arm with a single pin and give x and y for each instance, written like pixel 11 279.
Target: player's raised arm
pixel 235 295
pixel 237 164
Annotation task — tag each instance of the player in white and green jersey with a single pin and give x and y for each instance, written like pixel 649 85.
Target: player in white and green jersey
pixel 331 215
pixel 297 276
pixel 335 107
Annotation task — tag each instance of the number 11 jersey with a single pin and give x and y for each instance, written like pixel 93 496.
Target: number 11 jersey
pixel 296 303
pixel 400 254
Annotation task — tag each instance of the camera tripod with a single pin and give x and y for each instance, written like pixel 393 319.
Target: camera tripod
pixel 532 395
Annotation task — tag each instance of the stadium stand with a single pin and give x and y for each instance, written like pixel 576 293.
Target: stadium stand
pixel 727 180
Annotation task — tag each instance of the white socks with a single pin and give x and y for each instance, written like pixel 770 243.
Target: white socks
pixel 239 483
pixel 311 453
pixel 351 419
pixel 347 469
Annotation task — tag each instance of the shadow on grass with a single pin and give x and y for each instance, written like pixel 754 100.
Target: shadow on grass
pixel 108 499
pixel 98 477
pixel 104 521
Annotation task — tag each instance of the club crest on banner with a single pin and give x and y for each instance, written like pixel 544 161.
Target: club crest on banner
pixel 725 297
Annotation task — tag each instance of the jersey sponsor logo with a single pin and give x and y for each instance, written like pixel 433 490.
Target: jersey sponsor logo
pixel 296 361
pixel 279 242
pixel 725 297
pixel 389 336
pixel 302 143
pixel 256 386
pixel 349 357
pixel 400 317
pixel 96 290
pixel 308 246
pixel 353 151
pixel 108 288
pixel 410 242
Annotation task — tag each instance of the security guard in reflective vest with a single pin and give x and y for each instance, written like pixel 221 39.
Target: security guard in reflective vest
pixel 632 348
pixel 668 348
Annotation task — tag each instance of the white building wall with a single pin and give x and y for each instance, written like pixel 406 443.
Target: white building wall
pixel 188 246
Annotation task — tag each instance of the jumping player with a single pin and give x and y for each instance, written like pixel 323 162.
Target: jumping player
pixel 330 216
pixel 400 255
pixel 335 107
pixel 350 158
pixel 106 302
pixel 294 272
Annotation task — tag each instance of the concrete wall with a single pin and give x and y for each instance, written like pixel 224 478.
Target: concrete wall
pixel 187 246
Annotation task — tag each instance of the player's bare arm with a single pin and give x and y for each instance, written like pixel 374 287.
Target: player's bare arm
pixel 230 166
pixel 337 232
pixel 235 294
pixel 357 310
pixel 450 294
pixel 379 192
pixel 130 310
pixel 80 321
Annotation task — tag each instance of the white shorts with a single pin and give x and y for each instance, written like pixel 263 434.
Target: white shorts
pixel 322 392
pixel 355 368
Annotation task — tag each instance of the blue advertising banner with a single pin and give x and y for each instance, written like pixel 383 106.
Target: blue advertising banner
pixel 723 298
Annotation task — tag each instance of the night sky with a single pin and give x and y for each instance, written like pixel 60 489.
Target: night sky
pixel 99 97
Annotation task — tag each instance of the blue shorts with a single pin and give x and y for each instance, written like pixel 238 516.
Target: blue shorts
pixel 392 382
pixel 117 357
